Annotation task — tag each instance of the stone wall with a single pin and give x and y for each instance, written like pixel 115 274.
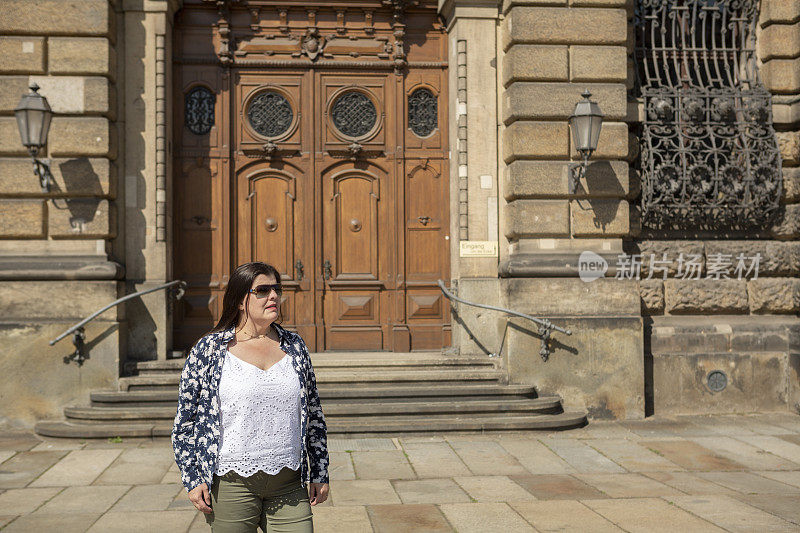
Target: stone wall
pixel 57 261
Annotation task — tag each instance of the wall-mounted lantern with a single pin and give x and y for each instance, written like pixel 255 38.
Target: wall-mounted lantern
pixel 33 120
pixel 585 123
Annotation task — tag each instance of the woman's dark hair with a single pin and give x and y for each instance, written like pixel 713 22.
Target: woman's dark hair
pixel 237 290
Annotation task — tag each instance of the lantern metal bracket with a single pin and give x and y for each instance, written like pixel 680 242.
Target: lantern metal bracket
pixel 41 167
pixel 576 172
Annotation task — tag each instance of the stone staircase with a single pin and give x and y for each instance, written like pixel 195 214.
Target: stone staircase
pixel 362 393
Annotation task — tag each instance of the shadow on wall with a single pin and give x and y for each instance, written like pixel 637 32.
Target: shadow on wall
pixel 79 178
pixel 600 177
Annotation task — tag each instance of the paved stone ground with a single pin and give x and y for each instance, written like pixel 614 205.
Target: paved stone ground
pixel 687 474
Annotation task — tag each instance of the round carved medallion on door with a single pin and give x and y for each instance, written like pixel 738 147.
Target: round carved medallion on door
pixel 271 224
pixel 270 114
pixel 354 115
pixel 355 225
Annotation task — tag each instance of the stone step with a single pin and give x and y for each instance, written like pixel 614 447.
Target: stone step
pixel 373 425
pixel 135 398
pixel 350 376
pixel 355 360
pixel 334 409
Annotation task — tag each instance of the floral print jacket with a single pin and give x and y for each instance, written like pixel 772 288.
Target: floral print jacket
pixel 195 435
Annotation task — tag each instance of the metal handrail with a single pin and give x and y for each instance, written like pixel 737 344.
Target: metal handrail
pixel 78 332
pixel 545 326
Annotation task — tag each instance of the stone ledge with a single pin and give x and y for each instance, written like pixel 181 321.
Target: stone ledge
pixel 28 268
pixel 549 264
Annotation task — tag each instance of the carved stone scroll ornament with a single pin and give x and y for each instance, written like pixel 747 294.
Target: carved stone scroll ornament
pixel 709 155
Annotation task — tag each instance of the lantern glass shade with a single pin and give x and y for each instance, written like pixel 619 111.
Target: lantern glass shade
pixel 585 123
pixel 33 120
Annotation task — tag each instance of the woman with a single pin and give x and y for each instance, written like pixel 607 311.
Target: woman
pixel 249 414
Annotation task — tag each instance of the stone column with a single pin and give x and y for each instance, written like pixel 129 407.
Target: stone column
pixel 551 52
pixel 472 29
pixel 147 27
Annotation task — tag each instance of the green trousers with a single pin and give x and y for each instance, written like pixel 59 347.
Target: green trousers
pixel 275 503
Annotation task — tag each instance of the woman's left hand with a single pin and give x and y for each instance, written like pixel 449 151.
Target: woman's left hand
pixel 317 493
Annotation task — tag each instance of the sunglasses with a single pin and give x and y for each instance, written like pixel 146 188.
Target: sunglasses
pixel 263 291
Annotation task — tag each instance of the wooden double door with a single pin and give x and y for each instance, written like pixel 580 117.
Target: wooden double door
pixel 336 177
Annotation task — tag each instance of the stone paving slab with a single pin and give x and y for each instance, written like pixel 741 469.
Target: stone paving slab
pixel 536 457
pixel 79 467
pixel 776 446
pixel 631 456
pixel 563 515
pixel 627 485
pixel 689 483
pixel 485 458
pixel 430 491
pixel 138 521
pixel 148 498
pixel 341 466
pixel 650 515
pixel 743 453
pixel 89 499
pixel 434 459
pixel 581 456
pixel 790 478
pixel 389 464
pixel 485 517
pixel 24 501
pixel 407 519
pixel 363 492
pixel 557 487
pixel 68 523
pixel 748 483
pixel 352 519
pixel 21 442
pixel 691 455
pixel 24 467
pixel 6 454
pixel 786 507
pixel 137 466
pixel 493 489
pixel 732 514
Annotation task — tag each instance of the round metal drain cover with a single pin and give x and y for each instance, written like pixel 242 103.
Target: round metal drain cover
pixel 717 380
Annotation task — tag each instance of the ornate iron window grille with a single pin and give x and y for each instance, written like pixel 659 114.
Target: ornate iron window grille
pixel 354 114
pixel 422 112
pixel 199 110
pixel 709 155
pixel 270 114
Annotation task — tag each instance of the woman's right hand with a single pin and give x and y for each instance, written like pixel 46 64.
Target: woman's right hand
pixel 200 497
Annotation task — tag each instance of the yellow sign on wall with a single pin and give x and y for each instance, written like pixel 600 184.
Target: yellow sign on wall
pixel 478 249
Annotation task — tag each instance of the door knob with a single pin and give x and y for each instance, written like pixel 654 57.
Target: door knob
pixel 424 220
pixel 298 267
pixel 326 270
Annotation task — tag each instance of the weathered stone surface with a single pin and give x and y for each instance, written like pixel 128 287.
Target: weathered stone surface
pixel 554 25
pixel 508 4
pixel 22 55
pixel 540 218
pixel 81 55
pixel 687 296
pixel 543 101
pixel 789 143
pixel 82 218
pixel 774 295
pixel 86 136
pixel 777 258
pixel 791 185
pixel 673 250
pixel 55 17
pixel 599 216
pixel 535 140
pixel 779 11
pixel 80 176
pixel 30 300
pixel 11 90
pixel 528 179
pixel 652 293
pixel 613 143
pixel 779 41
pixel 22 218
pixel 535 63
pixel 10 143
pixel 787 223
pixel 602 297
pixel 782 76
pixel 680 382
pixel 76 94
pixel 598 63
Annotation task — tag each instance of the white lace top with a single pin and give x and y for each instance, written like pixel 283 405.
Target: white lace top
pixel 259 417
